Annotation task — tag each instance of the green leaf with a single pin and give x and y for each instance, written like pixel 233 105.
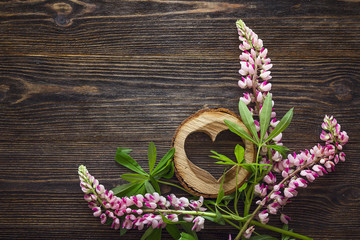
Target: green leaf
pixel 133 177
pixel 173 230
pixel 155 184
pixel 147 234
pixel 284 236
pixel 123 231
pixel 167 172
pixel 124 149
pixel 229 197
pixel 148 187
pixel 233 127
pixel 138 188
pixel 263 237
pixel 186 236
pixel 222 158
pixel 164 161
pixel 219 218
pixel 239 153
pixel 188 228
pixel 248 120
pixel 281 149
pixel 243 187
pixel 209 202
pixel 282 125
pixel 124 187
pixel 151 156
pixel 265 116
pixel 156 234
pixel 125 160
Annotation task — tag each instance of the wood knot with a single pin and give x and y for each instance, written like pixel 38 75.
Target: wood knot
pixel 62 13
pixel 65 12
pixel 342 90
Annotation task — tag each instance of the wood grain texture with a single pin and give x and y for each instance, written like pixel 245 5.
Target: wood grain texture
pixel 79 78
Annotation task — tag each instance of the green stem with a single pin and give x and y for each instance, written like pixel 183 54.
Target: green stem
pixel 280 230
pixel 236 191
pixel 248 202
pixel 195 213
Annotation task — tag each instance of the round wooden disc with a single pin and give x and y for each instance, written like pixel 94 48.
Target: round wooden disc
pixel 197 180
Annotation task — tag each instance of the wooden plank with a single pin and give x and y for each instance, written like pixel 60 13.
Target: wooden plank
pixel 79 78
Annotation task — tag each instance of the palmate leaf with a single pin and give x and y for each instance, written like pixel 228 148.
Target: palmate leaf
pixel 155 184
pixel 248 120
pixel 125 160
pixel 148 187
pixel 223 158
pixel 265 116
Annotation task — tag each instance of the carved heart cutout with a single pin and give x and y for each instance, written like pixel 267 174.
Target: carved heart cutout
pixel 194 178
pixel 198 146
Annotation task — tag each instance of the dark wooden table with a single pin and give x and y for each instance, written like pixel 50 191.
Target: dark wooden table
pixel 79 78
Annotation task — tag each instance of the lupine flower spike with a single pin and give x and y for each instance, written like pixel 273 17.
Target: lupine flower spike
pixel 137 211
pixel 298 169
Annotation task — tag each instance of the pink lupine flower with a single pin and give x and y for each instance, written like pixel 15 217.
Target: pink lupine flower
pixel 343 138
pixel 310 175
pixel 274 123
pixel 259 97
pixel 289 192
pixel 285 219
pixel 115 224
pixel 188 218
pixel 97 211
pixel 270 178
pixel 246 99
pixel 198 223
pixel 103 218
pixel 319 169
pixel 257 125
pixel 248 232
pixel 273 207
pixel 265 86
pixel 260 190
pixel 324 136
pixel 109 207
pixel 342 156
pixel 264 217
pixel 277 138
pixel 267 66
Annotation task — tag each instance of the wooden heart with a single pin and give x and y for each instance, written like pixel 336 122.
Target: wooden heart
pixel 195 179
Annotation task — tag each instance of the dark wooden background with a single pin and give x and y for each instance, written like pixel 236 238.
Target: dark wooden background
pixel 79 78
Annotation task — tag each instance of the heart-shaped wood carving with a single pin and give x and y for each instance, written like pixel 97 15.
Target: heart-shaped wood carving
pixel 195 179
